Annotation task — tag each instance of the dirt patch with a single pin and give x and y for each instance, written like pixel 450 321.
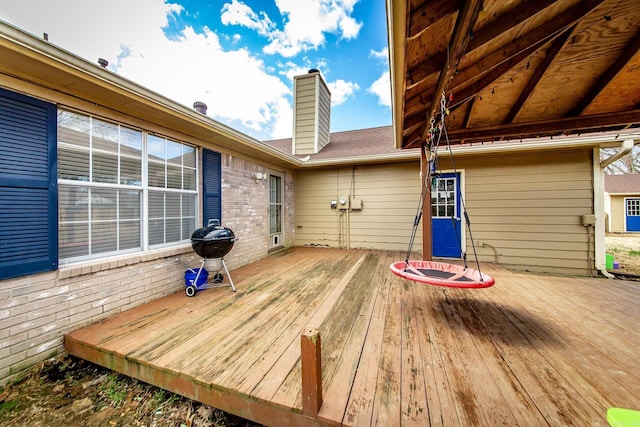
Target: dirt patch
pixel 625 249
pixel 70 391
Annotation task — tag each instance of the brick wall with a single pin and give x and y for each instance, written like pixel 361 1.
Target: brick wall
pixel 244 209
pixel 36 311
pixel 289 211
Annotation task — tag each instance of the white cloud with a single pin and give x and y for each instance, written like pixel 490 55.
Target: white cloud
pixel 291 69
pixel 382 55
pixel 341 91
pixel 283 122
pixel 238 13
pixel 305 23
pixel 95 31
pixel 382 86
pixel 240 90
pixel 188 66
pixel 382 89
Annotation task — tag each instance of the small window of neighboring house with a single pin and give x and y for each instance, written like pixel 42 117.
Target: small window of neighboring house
pixel 28 192
pixel 119 184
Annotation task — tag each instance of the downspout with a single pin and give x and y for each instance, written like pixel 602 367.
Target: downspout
pixel 625 148
pixel 598 184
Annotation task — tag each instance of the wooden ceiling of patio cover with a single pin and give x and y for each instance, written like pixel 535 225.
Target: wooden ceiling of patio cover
pixel 515 69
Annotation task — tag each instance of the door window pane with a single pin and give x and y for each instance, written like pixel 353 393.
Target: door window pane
pixel 443 198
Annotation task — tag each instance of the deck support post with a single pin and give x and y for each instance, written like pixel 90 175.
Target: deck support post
pixel 311 372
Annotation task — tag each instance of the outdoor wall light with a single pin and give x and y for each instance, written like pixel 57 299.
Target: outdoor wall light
pixel 258 176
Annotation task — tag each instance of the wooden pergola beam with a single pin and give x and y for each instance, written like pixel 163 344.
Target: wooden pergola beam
pixel 424 15
pixel 457 46
pixel 519 14
pixel 569 125
pixel 496 64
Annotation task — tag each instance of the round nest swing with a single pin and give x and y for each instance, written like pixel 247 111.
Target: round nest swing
pixel 442 274
pixel 433 272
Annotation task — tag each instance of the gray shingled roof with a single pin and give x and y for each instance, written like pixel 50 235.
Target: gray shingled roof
pixel 622 184
pixel 347 144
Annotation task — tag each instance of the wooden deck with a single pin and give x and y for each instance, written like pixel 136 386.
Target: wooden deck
pixel 531 350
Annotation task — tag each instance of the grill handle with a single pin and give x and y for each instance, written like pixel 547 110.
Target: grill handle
pixel 201 239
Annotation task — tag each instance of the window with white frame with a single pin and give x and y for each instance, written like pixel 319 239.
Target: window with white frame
pixel 633 207
pixel 118 185
pixel 443 201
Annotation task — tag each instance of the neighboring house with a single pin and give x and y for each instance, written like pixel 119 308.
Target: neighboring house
pixel 622 202
pixel 102 182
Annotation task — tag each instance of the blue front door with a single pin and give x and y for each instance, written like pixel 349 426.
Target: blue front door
pixel 633 214
pixel 445 216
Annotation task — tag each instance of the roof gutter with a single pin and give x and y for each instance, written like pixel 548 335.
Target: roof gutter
pixel 400 156
pixel 44 52
pixel 595 140
pixel 396 27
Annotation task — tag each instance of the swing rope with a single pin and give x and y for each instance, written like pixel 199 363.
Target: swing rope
pixel 463 206
pixel 430 154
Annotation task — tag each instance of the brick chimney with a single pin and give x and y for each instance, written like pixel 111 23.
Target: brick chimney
pixel 311 113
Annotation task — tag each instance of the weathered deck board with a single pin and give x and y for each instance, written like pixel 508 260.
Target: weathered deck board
pixel 361 400
pixel 531 350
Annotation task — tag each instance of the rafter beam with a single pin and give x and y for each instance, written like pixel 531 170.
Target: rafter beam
pixel 496 69
pixel 428 13
pixel 569 125
pixel 603 81
pixel 504 23
pixel 492 67
pixel 528 43
pixel 551 53
pixel 457 46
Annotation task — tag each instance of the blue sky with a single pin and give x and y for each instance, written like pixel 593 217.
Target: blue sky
pixel 238 56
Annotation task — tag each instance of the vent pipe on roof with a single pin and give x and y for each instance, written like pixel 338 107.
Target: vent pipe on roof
pixel 200 107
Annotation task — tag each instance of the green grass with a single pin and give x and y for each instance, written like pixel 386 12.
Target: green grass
pixel 634 253
pixel 7 407
pixel 115 390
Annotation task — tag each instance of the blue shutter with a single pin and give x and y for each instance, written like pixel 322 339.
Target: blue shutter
pixel 28 190
pixel 212 188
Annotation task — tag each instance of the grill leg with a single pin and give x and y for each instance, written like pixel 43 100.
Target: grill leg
pixel 195 282
pixel 228 274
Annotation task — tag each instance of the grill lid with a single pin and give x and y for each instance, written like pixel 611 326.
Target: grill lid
pixel 212 241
